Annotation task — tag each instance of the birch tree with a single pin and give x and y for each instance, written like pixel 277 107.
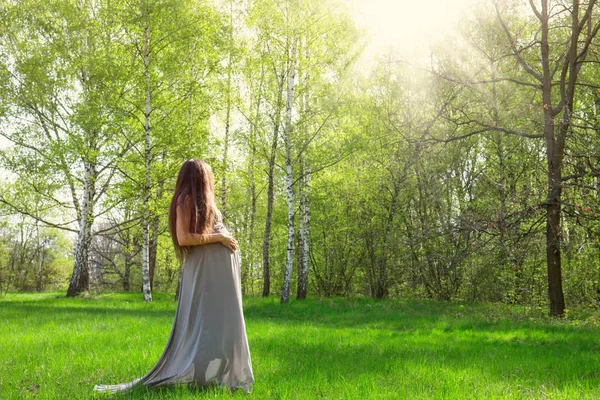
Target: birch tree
pixel 233 12
pixel 255 121
pixel 305 174
pixel 65 89
pixel 287 276
pixel 171 66
pixel 265 19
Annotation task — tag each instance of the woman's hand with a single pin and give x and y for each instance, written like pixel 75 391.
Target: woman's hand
pixel 229 241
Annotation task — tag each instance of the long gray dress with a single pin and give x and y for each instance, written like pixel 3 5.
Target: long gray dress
pixel 208 343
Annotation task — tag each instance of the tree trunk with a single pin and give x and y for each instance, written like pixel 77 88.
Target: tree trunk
pixel 225 160
pixel 40 259
pixel 248 267
pixel 597 186
pixel 250 258
pixel 127 254
pixel 553 238
pixel 555 293
pixel 302 288
pixel 304 234
pixel 146 287
pixel 153 247
pixel 154 227
pixel 80 279
pixel 382 281
pixel 38 278
pixel 287 275
pixel 572 59
pixel 226 139
pixel 126 275
pixel 270 198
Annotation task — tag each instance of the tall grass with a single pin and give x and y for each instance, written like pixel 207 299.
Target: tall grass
pixel 57 348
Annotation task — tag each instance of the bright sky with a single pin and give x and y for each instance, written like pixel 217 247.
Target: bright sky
pixel 409 25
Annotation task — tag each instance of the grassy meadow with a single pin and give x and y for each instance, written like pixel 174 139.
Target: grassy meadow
pixel 57 348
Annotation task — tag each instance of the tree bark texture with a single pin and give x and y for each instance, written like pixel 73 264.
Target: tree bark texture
pixel 287 275
pixel 302 288
pixel 270 195
pixel 146 286
pixel 80 279
pixel 556 129
pixel 226 149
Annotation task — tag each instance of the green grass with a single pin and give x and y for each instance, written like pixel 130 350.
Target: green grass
pixel 57 348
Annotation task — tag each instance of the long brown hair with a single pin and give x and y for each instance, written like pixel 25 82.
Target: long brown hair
pixel 195 191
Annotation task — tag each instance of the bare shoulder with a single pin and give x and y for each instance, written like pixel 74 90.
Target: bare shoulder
pixel 184 203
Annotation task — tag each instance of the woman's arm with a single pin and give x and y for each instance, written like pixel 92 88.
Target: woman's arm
pixel 187 238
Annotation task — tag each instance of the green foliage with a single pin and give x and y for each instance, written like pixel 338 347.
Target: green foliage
pixel 33 258
pixel 422 184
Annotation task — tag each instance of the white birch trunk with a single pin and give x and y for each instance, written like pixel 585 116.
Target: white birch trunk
pixel 304 233
pixel 304 202
pixel 40 258
pixel 250 259
pixel 248 265
pixel 227 123
pixel 147 159
pixel 270 195
pixel 154 226
pixel 80 280
pixel 226 148
pixel 287 277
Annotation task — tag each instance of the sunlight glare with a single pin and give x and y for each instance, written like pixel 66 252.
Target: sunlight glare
pixel 410 26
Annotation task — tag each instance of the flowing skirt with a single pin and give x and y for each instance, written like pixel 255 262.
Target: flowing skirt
pixel 208 343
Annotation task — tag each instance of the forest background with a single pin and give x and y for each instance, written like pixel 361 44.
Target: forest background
pixel 471 172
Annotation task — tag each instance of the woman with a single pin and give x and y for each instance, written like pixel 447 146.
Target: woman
pixel 208 343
